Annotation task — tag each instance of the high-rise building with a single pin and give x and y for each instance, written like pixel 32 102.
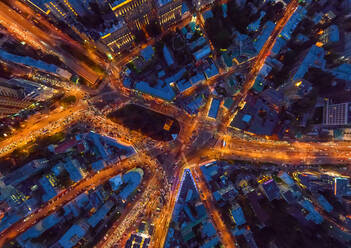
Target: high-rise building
pixel 118 37
pixel 330 36
pixel 136 13
pixel 64 10
pixel 199 4
pixel 337 114
pixel 12 99
pixel 168 11
pixel 340 186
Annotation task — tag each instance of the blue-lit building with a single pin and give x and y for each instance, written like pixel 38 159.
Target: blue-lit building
pixel 340 186
pixel 286 178
pixel 64 10
pixel 294 20
pixel 213 111
pixel 25 172
pixel 25 239
pixel 74 170
pixel 313 58
pixel 147 53
pixel 330 36
pixel 131 180
pixel 168 11
pixel 38 64
pixel 98 165
pixel 312 215
pixel 116 182
pixel 264 36
pixel 48 184
pixel 324 204
pixel 74 235
pixel 202 53
pixel 161 89
pixel 237 215
pixel 167 56
pixel 211 71
pixel 100 214
pixel 254 26
pixel 270 189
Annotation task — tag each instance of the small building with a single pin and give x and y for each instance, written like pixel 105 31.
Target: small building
pixel 330 36
pixel 237 215
pixel 202 53
pixel 312 215
pixel 211 71
pixel 270 189
pixel 324 204
pixel 98 165
pixel 286 178
pixel 48 183
pixel 116 182
pixel 254 26
pixel 207 14
pixel 100 214
pixel 38 229
pixel 263 37
pixel 213 111
pixel 74 170
pixel 131 179
pixel 168 56
pixel 147 53
pixel 340 186
pixel 313 58
pixel 74 235
pixel 161 90
pixel 294 20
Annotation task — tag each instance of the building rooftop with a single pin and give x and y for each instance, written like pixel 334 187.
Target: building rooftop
pixel 74 170
pixel 28 61
pixel 202 53
pixel 161 90
pixel 211 71
pixel 270 189
pixel 263 37
pixel 132 179
pixel 168 56
pixel 38 229
pixel 161 3
pixel 100 214
pixel 324 204
pixel 25 172
pixel 207 14
pixel 116 182
pixel 238 215
pixel 147 53
pixel 213 111
pixel 73 235
pixel 313 58
pixel 98 165
pixel 294 20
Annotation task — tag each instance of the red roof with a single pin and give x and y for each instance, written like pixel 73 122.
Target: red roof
pixel 65 146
